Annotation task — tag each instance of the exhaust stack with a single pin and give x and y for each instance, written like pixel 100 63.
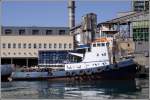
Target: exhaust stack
pixel 71 8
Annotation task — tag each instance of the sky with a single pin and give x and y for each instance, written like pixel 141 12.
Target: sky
pixel 55 13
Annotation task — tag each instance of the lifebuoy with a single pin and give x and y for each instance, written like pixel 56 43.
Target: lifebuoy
pixel 50 73
pixel 107 68
pixel 88 72
pixel 73 73
pixel 99 70
pixel 81 72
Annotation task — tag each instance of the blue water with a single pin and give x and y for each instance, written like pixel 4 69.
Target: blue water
pixel 112 89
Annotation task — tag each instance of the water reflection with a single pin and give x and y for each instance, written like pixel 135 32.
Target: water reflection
pixel 60 90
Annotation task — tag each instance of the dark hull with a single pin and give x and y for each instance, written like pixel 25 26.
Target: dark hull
pixel 122 73
pixel 119 74
pixel 6 71
pixel 5 77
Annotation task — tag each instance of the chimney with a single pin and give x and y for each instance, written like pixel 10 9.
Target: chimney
pixel 71 8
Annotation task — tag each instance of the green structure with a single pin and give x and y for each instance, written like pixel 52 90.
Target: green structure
pixel 141 30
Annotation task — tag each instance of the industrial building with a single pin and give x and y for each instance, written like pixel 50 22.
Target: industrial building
pixel 20 45
pixel 130 29
pixel 140 5
pixel 86 32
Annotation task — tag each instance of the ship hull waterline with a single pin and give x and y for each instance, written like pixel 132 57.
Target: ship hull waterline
pixel 122 73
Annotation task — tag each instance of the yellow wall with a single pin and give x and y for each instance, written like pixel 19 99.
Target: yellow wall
pixel 32 52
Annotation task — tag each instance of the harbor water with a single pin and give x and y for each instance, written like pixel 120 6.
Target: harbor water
pixel 104 89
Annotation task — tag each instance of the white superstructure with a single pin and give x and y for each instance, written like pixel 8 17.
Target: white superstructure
pixel 97 55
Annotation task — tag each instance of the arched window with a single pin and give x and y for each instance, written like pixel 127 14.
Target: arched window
pixel 45 45
pixel 14 45
pixel 19 45
pixel 34 45
pixel 65 45
pixel 70 45
pixel 9 45
pixel 4 45
pixel 60 45
pixel 55 45
pixel 40 45
pixel 29 45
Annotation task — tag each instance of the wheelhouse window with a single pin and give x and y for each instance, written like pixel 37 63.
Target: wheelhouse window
pixel 107 44
pixel 8 31
pixel 98 44
pixel 103 44
pixel 94 45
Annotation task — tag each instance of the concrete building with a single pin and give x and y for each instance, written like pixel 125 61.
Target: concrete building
pixel 86 32
pixel 20 45
pixel 140 5
pixel 133 29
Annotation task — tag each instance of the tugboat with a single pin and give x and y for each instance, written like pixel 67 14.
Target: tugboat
pixel 95 64
pixel 6 71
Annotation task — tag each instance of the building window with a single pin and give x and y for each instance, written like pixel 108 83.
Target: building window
pixel 60 45
pixel 24 45
pixel 128 45
pixel 65 45
pixel 8 31
pixel 98 44
pixel 48 32
pixel 40 45
pixel 70 45
pixel 19 45
pixel 61 32
pixel 45 45
pixel 4 45
pixel 50 45
pixel 94 45
pixel 34 45
pixel 29 45
pixel 22 32
pixel 35 32
pixel 9 45
pixel 140 34
pixel 14 45
pixel 55 45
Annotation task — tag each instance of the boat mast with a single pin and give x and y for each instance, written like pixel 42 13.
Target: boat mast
pixel 114 50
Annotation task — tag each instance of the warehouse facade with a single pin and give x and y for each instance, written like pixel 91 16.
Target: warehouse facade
pixel 20 45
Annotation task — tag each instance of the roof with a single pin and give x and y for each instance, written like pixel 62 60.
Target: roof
pixel 124 19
